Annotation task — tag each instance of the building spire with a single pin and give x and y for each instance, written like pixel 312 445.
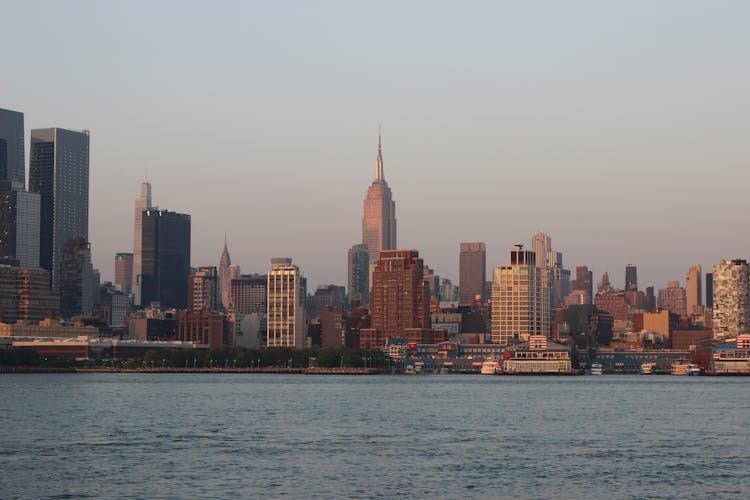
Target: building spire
pixel 379 168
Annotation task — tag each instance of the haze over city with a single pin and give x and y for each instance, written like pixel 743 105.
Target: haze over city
pixel 616 129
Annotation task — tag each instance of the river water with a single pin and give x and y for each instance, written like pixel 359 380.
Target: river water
pixel 448 436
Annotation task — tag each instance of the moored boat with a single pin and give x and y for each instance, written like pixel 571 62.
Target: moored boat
pixel 647 368
pixel 595 369
pixel 490 367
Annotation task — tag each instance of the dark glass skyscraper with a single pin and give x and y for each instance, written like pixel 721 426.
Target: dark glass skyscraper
pixel 75 278
pixel 631 277
pixel 59 171
pixel 12 160
pixel 472 272
pixel 359 275
pixel 166 258
pixel 710 290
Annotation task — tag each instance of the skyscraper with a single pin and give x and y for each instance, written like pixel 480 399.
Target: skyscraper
pixel 379 220
pixel 693 288
pixel 604 285
pixel 166 258
pixel 710 290
pixel 631 277
pixel 19 223
pixel 249 294
pixel 202 289
pixel 673 298
pixel 585 282
pixel 75 272
pixel 287 290
pixel 472 272
pixel 358 285
pixel 399 297
pixel 541 244
pixel 731 286
pixel 12 158
pixel 225 280
pixel 124 272
pixel 520 299
pixel 558 279
pixel 143 202
pixel 59 171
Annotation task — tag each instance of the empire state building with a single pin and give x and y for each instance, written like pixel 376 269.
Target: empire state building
pixel 379 220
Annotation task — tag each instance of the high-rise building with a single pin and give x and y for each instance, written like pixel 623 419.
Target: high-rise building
pixel 673 298
pixel 731 299
pixel 585 282
pixel 472 272
pixel 693 288
pixel 76 293
pixel 165 258
pixel 448 291
pixel 143 202
pixel 359 274
pixel 631 277
pixel 25 295
pixel 12 151
pixel 124 272
pixel 325 295
pixel 59 171
pixel 604 285
pixel 287 290
pixel 710 290
pixel 333 327
pixel 249 294
pixel 202 287
pixel 379 220
pixel 520 299
pixel 558 279
pixel 541 244
pixel 399 298
pixel 19 223
pixel 225 279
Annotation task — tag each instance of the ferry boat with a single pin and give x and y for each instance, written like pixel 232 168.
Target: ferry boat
pixel 596 369
pixel 490 367
pixel 647 368
pixel 682 367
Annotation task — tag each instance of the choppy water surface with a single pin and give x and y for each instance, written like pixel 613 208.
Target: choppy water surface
pixel 221 436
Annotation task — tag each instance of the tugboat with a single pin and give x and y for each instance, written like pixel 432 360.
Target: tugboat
pixel 595 369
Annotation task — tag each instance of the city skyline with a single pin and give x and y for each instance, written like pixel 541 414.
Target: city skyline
pixel 550 103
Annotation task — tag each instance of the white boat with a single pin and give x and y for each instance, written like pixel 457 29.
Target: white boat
pixel 682 367
pixel 595 369
pixel 694 369
pixel 490 367
pixel 647 368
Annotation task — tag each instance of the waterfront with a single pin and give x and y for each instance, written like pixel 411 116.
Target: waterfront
pixel 219 436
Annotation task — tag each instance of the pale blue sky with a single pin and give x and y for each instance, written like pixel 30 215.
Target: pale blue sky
pixel 620 129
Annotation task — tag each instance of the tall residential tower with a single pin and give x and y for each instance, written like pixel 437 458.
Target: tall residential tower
pixel 520 299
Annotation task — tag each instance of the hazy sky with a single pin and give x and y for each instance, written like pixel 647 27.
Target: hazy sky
pixel 619 128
